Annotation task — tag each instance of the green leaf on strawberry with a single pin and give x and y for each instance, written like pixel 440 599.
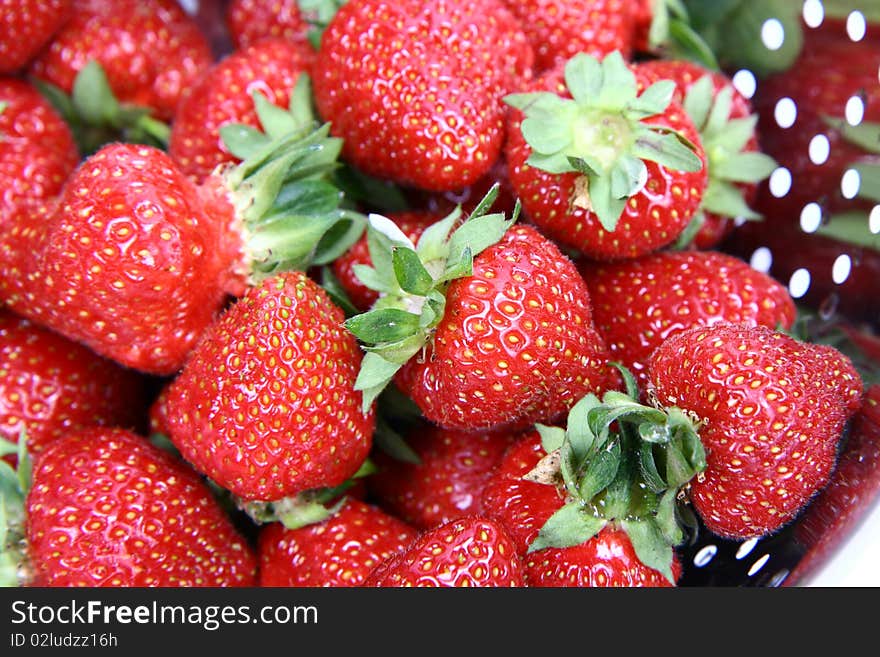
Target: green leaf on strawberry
pixel 600 133
pixel 14 486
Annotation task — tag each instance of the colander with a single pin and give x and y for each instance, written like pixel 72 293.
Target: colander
pixel 824 244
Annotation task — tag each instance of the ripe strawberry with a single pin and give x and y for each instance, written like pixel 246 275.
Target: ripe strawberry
pixel 637 304
pixel 726 124
pixel 852 491
pixel 341 550
pixel 223 95
pixel 508 342
pixel 559 29
pixel 773 412
pixel 471 551
pixel 106 508
pixel 448 480
pixel 249 21
pixel 163 55
pixel 159 254
pixel 412 223
pixel 600 554
pixel 25 27
pixel 265 405
pixel 37 151
pixel 601 167
pixel 413 86
pixel 50 386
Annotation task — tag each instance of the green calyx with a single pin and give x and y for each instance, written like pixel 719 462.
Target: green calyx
pixel 293 214
pixel 600 133
pixel 412 280
pixel 623 463
pixel 318 14
pixel 14 486
pixel 725 141
pixel 672 36
pixel 96 117
pixel 307 508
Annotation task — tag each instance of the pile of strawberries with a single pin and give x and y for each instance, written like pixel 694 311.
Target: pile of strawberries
pixel 411 293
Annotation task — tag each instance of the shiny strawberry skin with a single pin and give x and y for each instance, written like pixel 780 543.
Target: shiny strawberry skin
pixel 249 21
pixel 164 51
pixel 652 219
pixel 50 386
pixel 559 29
pixel 409 105
pixel 412 223
pixel 108 509
pixel 341 551
pixel 516 345
pixel 773 409
pixel 685 73
pixel 37 151
pixel 850 494
pixel 448 481
pixel 156 253
pixel 468 552
pixel 25 27
pixel 639 303
pixel 223 95
pixel 523 507
pixel 266 405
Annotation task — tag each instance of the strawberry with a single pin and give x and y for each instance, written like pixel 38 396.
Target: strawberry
pixel 248 21
pixel 559 29
pixel 50 386
pixel 164 53
pixel 509 341
pixel 341 550
pixel 772 411
pixel 37 151
pixel 470 551
pixel 223 96
pixel 106 508
pixel 447 481
pixel 413 87
pixel 603 162
pixel 637 304
pixel 850 494
pixel 412 223
pixel 159 254
pixel 265 405
pixel 727 132
pixel 25 27
pixel 599 550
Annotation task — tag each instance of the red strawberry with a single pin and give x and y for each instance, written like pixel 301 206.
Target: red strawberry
pixel 412 223
pixel 726 124
pixel 164 51
pixel 447 481
pixel 559 29
pixel 50 386
pixel 106 508
pixel 508 342
pixel 637 304
pixel 223 95
pixel 414 86
pixel 266 405
pixel 471 551
pixel 37 151
pixel 773 412
pixel 852 491
pixel 340 551
pixel 601 167
pixel 251 20
pixel 25 27
pixel 159 254
pixel 524 505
